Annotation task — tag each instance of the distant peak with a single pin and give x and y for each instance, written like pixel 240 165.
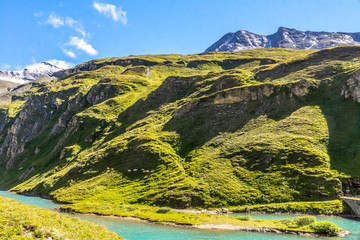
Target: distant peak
pixel 285 29
pixel 244 32
pixel 30 73
pixel 284 38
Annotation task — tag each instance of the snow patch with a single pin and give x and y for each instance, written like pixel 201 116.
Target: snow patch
pixel 30 73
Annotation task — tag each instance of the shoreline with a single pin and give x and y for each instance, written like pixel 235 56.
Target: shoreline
pixel 301 214
pixel 195 211
pixel 226 227
pixel 264 213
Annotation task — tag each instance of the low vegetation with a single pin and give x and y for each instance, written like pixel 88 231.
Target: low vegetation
pixel 334 207
pixel 20 221
pixel 309 222
pixel 302 224
pixel 325 227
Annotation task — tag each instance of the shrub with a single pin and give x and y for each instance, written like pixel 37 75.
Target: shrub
pixel 287 221
pixel 163 210
pixel 244 218
pixel 131 208
pixel 325 227
pixel 102 207
pixel 304 220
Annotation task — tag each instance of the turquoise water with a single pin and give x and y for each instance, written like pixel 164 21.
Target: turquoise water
pixel 134 230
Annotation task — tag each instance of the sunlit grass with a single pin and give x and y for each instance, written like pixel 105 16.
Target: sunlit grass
pixel 20 221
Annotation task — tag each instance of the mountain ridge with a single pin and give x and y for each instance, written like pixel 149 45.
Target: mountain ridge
pixel 30 73
pixel 284 38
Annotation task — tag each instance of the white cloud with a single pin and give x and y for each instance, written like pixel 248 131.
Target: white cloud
pixel 69 53
pixel 38 14
pixel 111 11
pixel 5 66
pixel 55 21
pixel 67 21
pixel 75 25
pixel 60 63
pixel 81 44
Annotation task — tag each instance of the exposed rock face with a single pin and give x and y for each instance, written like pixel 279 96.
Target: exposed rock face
pixel 351 89
pixel 26 173
pixel 354 204
pixel 283 38
pixel 35 116
pixel 30 122
pixel 247 94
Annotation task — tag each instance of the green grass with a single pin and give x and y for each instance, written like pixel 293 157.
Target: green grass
pixel 161 215
pixel 263 126
pixel 20 221
pixel 12 108
pixel 334 207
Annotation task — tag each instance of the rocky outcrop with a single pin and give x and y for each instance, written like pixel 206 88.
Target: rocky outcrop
pixel 73 107
pixel 25 174
pixel 283 38
pixel 353 203
pixel 248 93
pixel 351 88
pixel 102 91
pixel 37 113
pixel 230 63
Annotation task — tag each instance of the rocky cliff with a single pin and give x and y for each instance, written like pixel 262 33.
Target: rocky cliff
pixel 283 38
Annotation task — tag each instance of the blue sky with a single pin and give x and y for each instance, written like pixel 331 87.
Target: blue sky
pixel 70 32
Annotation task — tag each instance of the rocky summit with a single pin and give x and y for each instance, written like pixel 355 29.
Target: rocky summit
pixel 284 38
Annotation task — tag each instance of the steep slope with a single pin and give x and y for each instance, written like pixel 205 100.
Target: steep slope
pixel 283 38
pixel 214 129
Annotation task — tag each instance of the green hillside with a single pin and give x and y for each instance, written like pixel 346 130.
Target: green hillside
pixel 20 221
pixel 205 130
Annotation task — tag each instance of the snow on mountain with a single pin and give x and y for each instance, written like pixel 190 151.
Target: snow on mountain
pixel 30 73
pixel 283 38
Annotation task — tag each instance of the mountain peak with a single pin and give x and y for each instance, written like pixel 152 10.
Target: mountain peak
pixel 285 29
pixel 30 73
pixel 284 38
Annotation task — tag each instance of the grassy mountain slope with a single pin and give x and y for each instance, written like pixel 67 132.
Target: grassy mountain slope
pixel 214 129
pixel 20 221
